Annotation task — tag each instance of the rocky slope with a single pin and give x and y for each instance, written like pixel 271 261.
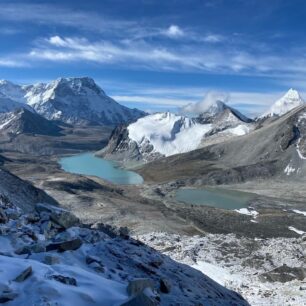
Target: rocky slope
pixel 21 193
pixel 166 134
pixel 71 100
pixel 22 121
pixel 49 258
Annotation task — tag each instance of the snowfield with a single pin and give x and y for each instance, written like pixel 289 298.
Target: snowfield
pixel 168 133
pixel 171 134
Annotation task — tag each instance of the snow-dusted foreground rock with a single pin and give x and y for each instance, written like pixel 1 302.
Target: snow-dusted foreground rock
pixel 265 272
pixel 48 258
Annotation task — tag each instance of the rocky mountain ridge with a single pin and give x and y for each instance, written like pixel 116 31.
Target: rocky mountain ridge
pixel 23 121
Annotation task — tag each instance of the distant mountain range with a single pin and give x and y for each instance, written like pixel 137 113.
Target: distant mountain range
pixel 275 148
pixel 71 100
pixel 40 109
pixel 165 134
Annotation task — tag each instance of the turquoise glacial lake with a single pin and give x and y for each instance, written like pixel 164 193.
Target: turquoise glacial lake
pixel 215 197
pixel 88 164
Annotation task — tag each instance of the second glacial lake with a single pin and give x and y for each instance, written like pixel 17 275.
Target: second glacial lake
pixel 215 197
pixel 89 164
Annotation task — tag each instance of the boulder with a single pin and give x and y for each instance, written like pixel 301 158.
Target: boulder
pixel 69 245
pixel 91 259
pixel 58 215
pixel 164 286
pixel 137 285
pixel 24 275
pixel 65 280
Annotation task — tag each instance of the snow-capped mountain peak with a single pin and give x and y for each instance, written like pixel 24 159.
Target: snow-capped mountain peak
pixel 78 100
pixel 289 101
pixel 217 108
pixel 72 100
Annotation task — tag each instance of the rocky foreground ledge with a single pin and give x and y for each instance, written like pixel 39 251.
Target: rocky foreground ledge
pixel 48 257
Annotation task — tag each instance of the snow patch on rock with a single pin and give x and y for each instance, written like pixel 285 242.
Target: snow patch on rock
pixel 296 230
pixel 245 211
pixel 289 170
pixel 299 212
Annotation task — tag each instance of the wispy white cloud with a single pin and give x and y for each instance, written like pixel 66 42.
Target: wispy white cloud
pixel 213 38
pixel 48 14
pixel 157 57
pixel 205 103
pixel 192 100
pixel 13 62
pixel 174 31
pixel 173 102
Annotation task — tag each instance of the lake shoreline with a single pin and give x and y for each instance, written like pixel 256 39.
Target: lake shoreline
pixel 91 165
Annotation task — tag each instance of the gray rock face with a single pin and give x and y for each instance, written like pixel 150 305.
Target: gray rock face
pixel 120 147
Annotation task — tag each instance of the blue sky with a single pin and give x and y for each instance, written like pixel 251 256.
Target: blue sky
pixel 160 55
